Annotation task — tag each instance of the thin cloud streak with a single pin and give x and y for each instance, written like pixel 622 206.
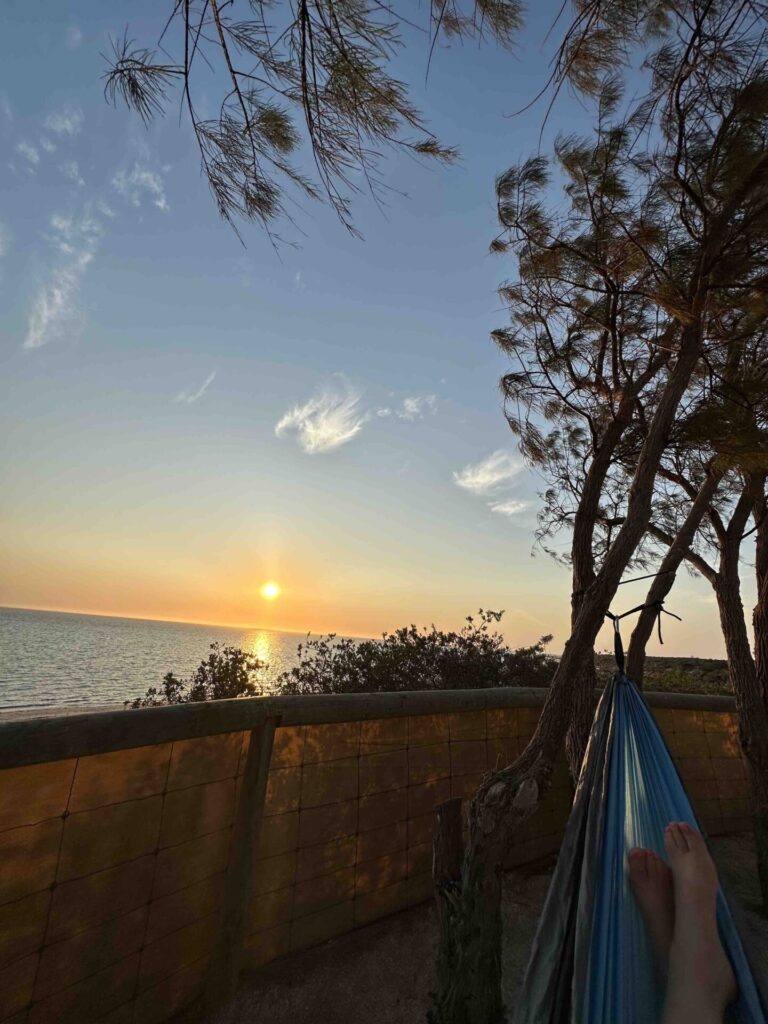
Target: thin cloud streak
pixel 497 470
pixel 189 397
pixel 330 419
pixel 509 508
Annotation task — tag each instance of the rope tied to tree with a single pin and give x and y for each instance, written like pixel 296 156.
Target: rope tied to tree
pixel 618 646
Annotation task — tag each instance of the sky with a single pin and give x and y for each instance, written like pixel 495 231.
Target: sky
pixel 183 417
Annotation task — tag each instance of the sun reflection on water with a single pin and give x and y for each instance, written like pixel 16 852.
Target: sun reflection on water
pixel 261 644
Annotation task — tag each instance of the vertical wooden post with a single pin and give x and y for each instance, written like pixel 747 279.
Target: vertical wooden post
pixel 227 955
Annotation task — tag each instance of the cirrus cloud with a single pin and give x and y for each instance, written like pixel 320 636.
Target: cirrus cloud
pixel 496 470
pixel 493 477
pixel 139 183
pixel 66 121
pixel 29 152
pixel 509 508
pixel 55 306
pixel 328 420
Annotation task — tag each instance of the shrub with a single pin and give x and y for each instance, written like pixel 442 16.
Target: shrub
pixel 411 658
pixel 226 672
pixel 415 658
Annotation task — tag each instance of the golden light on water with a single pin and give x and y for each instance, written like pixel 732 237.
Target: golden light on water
pixel 270 590
pixel 261 647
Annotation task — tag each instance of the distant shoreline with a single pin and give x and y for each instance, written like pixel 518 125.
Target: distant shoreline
pixel 170 622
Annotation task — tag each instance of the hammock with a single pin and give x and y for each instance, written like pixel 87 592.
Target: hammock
pixel 591 961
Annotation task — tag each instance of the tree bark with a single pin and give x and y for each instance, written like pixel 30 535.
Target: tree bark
pixel 447 855
pixel 583 705
pixel 760 626
pixel 742 670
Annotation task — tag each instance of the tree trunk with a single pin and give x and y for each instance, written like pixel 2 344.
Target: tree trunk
pixel 584 682
pixel 662 584
pixel 742 670
pixel 582 578
pixel 447 855
pixel 472 994
pixel 760 625
pixel 582 713
pixel 753 714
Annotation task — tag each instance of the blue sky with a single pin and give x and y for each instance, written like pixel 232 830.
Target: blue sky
pixel 184 417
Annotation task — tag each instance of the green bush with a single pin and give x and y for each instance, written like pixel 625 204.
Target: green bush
pixel 411 658
pixel 415 658
pixel 226 672
pixel 675 675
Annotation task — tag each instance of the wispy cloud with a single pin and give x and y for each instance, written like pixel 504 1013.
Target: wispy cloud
pixel 496 470
pixel 4 242
pixel 29 152
pixel 55 307
pixel 494 477
pixel 66 121
pixel 509 508
pixel 6 109
pixel 330 418
pixel 298 282
pixel 73 37
pixel 414 407
pixel 47 145
pixel 189 396
pixel 140 183
pixel 71 170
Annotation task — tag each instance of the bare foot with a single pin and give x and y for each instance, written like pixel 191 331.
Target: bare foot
pixel 701 980
pixel 651 882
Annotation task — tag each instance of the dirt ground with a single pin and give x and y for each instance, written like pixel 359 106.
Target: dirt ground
pixel 383 974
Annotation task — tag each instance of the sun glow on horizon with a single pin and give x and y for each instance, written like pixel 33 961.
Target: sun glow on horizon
pixel 270 590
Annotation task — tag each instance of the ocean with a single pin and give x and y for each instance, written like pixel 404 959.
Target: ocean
pixel 59 658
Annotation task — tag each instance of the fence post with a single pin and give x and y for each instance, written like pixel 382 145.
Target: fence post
pixel 227 956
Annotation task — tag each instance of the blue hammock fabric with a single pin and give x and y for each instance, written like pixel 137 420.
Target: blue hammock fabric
pixel 591 962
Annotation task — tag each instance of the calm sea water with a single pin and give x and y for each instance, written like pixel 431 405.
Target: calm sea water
pixel 55 658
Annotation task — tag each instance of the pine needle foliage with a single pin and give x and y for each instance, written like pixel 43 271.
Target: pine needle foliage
pixel 297 75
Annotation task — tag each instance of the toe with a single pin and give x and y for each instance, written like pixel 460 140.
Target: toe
pixel 669 841
pixel 657 868
pixel 693 839
pixel 674 843
pixel 638 864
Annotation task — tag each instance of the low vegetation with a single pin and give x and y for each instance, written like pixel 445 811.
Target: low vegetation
pixel 410 658
pixel 678 675
pixel 226 672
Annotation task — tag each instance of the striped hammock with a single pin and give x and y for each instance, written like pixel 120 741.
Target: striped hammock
pixel 591 961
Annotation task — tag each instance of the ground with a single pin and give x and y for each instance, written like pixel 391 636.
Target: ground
pixel 383 974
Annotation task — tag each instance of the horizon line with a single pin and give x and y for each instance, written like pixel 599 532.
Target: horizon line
pixel 174 622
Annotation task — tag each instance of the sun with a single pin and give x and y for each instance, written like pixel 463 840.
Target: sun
pixel 270 590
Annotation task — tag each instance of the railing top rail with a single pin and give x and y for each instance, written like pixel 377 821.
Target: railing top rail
pixel 33 740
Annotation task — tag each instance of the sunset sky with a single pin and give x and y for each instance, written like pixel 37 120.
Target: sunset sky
pixel 184 418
